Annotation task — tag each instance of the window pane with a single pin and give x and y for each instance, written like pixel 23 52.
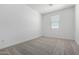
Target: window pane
pixel 55 21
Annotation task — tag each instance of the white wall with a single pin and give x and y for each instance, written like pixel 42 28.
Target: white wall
pixel 18 23
pixel 66 29
pixel 77 23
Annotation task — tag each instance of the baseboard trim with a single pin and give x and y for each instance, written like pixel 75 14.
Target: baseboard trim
pixel 16 43
pixel 56 38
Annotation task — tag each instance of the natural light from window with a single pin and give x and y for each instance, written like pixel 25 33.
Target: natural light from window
pixel 55 22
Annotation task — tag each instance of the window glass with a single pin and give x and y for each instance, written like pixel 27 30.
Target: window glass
pixel 55 22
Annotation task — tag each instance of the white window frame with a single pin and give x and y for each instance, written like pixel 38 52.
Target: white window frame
pixel 55 19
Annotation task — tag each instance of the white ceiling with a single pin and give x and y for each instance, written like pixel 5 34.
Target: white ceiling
pixel 45 8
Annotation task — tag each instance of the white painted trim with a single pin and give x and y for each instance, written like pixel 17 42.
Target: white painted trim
pixel 15 43
pixel 58 38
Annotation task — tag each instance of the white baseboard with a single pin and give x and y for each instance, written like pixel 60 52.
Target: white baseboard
pixel 58 37
pixel 15 43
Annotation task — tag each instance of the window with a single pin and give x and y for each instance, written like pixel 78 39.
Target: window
pixel 55 22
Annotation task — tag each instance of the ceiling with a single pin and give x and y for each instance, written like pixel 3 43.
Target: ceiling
pixel 46 8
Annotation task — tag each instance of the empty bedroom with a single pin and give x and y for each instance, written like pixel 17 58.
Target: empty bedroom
pixel 39 29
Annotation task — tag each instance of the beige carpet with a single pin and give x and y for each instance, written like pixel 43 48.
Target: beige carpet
pixel 43 46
